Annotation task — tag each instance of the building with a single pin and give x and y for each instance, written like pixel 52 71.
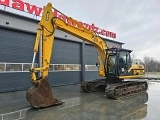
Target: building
pixel 72 61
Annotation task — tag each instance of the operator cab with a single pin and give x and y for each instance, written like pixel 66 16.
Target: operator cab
pixel 119 62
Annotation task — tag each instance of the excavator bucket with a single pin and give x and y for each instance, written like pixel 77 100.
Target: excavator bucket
pixel 40 95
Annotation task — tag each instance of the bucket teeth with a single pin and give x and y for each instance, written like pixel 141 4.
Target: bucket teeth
pixel 40 94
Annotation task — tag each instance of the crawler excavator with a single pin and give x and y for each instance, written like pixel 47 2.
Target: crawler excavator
pixel 114 63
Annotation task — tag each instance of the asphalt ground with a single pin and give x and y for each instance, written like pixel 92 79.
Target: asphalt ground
pixel 84 106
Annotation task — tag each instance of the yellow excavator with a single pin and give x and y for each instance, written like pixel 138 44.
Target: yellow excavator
pixel 114 63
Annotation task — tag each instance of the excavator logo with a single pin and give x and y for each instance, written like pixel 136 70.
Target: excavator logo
pixel 47 16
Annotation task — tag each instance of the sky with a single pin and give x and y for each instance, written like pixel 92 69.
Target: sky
pixel 136 22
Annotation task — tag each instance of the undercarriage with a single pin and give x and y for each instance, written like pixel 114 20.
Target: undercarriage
pixel 115 90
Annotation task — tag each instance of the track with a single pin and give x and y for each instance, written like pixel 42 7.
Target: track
pixel 115 90
pixel 93 86
pixel 125 88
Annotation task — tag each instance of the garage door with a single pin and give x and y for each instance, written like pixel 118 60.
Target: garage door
pixel 91 70
pixel 16 50
pixel 65 63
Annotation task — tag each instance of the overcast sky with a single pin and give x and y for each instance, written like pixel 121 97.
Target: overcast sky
pixel 136 22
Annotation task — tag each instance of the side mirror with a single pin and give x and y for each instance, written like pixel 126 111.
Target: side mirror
pixel 97 64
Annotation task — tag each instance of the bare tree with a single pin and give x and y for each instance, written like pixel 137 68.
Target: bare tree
pixel 151 64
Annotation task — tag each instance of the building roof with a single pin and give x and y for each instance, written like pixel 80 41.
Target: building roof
pixel 106 39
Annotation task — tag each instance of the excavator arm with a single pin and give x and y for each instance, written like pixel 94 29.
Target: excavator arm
pixel 45 35
pixel 40 94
